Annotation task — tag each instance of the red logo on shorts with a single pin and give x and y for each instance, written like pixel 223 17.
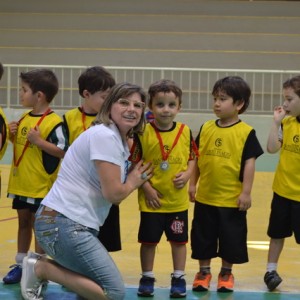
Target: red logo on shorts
pixel 177 227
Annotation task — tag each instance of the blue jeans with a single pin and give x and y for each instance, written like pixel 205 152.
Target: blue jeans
pixel 78 249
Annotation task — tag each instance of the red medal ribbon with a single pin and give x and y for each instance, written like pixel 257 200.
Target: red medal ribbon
pixel 17 162
pixel 164 154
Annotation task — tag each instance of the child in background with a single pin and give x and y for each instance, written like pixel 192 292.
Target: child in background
pixel 163 200
pixel 39 142
pixel 3 128
pixel 228 148
pixel 285 209
pixel 94 85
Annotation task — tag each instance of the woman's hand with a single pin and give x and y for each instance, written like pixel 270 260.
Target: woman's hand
pixel 140 173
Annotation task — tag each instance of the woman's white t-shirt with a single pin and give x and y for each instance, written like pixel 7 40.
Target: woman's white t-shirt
pixel 76 193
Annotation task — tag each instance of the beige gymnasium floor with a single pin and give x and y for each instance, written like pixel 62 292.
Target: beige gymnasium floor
pixel 248 276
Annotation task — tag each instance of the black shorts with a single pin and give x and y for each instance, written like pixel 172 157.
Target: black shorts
pixel 219 232
pixel 284 218
pixel 109 233
pixel 152 226
pixel 19 204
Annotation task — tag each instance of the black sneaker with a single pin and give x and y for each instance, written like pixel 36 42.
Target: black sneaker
pixel 272 280
pixel 178 287
pixel 146 287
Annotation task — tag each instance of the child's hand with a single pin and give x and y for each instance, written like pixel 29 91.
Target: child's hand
pixel 244 201
pixel 152 196
pixel 180 180
pixel 279 114
pixel 192 193
pixel 34 135
pixel 13 127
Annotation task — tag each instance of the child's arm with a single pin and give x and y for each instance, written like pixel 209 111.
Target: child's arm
pixel 244 200
pixel 152 195
pixel 182 178
pixel 273 144
pixel 34 137
pixel 13 128
pixel 193 182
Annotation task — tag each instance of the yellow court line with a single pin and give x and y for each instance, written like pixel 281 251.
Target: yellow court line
pixel 182 16
pixel 154 50
pixel 145 32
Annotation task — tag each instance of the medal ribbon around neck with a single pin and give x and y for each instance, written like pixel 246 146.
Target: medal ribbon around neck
pixel 17 162
pixel 164 154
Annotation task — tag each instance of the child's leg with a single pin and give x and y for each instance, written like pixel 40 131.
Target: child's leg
pixel 179 256
pixel 147 255
pixel 24 230
pixel 272 278
pixel 204 265
pixel 23 244
pixel 146 284
pixel 275 249
pixel 178 283
pixel 226 266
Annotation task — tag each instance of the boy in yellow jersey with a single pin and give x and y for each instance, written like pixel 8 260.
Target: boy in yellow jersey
pixel 228 149
pixel 39 143
pixel 163 200
pixel 285 209
pixel 3 128
pixel 94 85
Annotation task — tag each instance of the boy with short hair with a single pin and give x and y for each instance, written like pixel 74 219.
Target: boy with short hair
pixel 163 200
pixel 228 148
pixel 39 143
pixel 284 218
pixel 94 85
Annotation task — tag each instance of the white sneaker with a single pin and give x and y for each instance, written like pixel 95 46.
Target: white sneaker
pixel 31 285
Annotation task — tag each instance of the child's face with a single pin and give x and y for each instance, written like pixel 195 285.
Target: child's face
pixel 93 102
pixel 224 108
pixel 165 107
pixel 291 103
pixel 27 98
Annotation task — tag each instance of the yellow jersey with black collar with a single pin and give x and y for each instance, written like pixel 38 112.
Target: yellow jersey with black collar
pixel 33 177
pixel 76 122
pixel 287 176
pixel 173 200
pixel 220 161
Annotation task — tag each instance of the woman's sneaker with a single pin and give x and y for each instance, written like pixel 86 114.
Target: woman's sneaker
pixel 14 275
pixel 31 285
pixel 272 280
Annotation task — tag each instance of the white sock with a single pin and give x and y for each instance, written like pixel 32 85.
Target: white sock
pixel 148 274
pixel 178 273
pixel 271 267
pixel 19 258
